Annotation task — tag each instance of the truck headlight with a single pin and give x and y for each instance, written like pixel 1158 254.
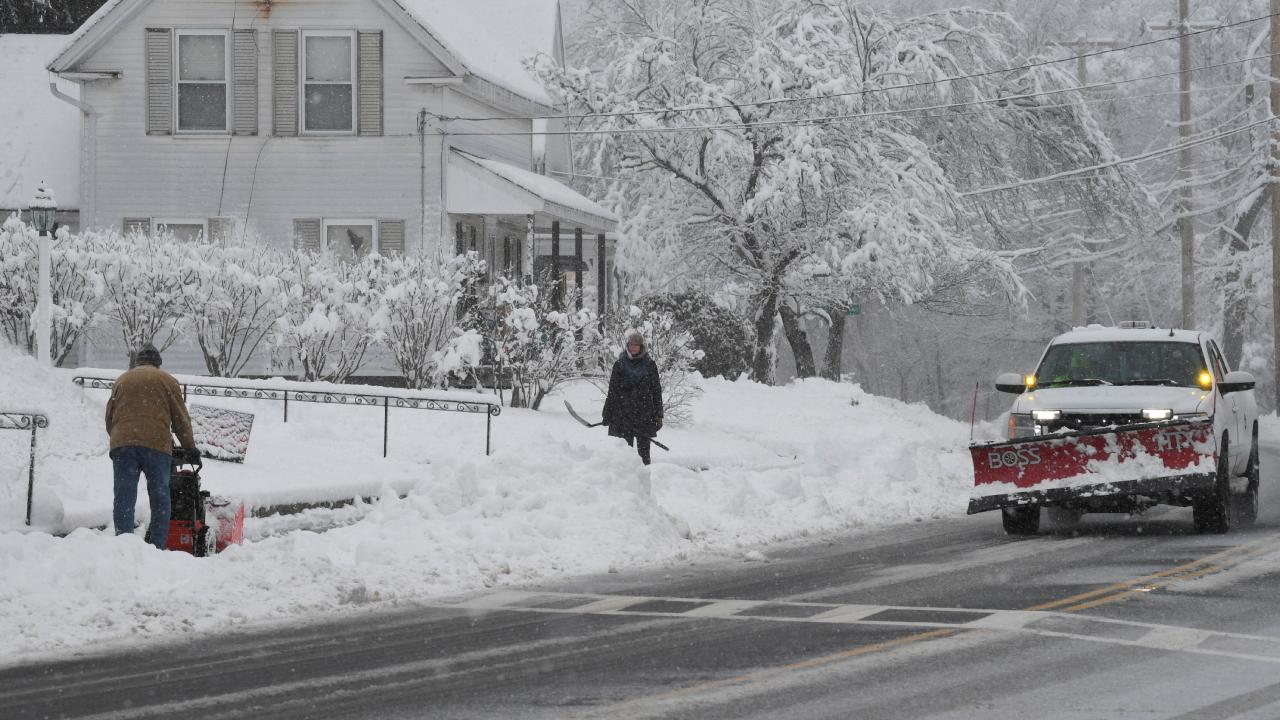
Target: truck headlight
pixel 1021 425
pixel 1156 414
pixel 1045 416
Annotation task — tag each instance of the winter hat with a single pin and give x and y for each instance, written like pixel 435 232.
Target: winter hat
pixel 636 338
pixel 147 355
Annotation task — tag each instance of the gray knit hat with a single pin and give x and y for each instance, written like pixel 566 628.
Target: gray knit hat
pixel 636 338
pixel 147 355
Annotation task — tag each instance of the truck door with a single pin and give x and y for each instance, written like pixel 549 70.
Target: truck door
pixel 1240 435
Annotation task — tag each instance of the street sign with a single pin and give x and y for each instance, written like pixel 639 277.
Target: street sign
pixel 854 310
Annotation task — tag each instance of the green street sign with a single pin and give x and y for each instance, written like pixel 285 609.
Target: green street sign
pixel 854 310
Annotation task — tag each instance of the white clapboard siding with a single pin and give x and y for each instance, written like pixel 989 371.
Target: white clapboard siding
pixel 244 77
pixel 159 81
pixel 369 84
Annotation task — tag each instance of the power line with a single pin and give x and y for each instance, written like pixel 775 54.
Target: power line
pixel 844 118
pixel 1122 161
pixel 870 91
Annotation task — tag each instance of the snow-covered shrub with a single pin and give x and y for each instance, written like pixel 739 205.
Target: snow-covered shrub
pixel 669 344
pixel 329 305
pixel 76 295
pixel 145 280
pixel 526 339
pixel 418 302
pixel 723 336
pixel 236 295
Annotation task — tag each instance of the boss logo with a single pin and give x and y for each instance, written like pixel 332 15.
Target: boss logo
pixel 1021 457
pixel 1174 440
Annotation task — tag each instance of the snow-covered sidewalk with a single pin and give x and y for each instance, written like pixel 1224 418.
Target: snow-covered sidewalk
pixel 757 465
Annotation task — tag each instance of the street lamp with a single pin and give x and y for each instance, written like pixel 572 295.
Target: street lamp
pixel 44 210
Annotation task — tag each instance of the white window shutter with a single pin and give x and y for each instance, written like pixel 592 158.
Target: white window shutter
pixel 370 83
pixel 306 234
pixel 141 226
pixel 244 75
pixel 159 72
pixel 391 238
pixel 284 80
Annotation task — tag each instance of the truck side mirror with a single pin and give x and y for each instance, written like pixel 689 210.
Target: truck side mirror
pixel 1237 381
pixel 1010 383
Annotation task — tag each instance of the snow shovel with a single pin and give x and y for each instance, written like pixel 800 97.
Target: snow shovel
pixel 584 422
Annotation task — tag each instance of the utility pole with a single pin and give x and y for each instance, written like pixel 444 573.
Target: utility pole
pixel 1186 223
pixel 1275 186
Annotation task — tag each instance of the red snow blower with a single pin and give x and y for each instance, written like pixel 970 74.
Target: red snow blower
pixel 199 523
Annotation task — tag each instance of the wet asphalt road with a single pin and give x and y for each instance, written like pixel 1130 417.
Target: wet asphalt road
pixel 1120 618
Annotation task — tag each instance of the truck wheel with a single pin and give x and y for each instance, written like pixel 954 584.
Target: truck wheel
pixel 1246 505
pixel 1023 520
pixel 1212 514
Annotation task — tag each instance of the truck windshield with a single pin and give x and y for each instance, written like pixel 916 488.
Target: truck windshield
pixel 1121 363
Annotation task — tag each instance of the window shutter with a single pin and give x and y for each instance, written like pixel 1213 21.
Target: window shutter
pixel 391 237
pixel 306 234
pixel 284 79
pixel 137 225
pixel 159 59
pixel 370 83
pixel 244 75
pixel 221 228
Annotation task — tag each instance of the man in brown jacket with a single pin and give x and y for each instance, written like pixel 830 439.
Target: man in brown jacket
pixel 144 411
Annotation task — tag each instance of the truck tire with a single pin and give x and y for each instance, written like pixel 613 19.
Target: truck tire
pixel 1246 505
pixel 1023 520
pixel 1212 513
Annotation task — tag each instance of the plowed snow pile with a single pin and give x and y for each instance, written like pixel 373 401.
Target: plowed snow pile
pixel 757 464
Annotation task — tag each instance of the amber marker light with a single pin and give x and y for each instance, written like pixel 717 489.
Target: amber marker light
pixel 1204 379
pixel 1029 381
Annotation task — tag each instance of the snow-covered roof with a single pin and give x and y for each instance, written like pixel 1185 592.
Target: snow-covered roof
pixel 517 191
pixel 41 137
pixel 492 38
pixel 1100 333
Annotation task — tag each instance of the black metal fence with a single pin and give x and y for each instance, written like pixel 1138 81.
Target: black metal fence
pixel 32 422
pixel 490 408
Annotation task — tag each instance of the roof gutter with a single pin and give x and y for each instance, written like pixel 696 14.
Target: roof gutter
pixel 88 153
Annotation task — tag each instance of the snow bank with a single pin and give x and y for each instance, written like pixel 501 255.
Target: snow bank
pixel 758 464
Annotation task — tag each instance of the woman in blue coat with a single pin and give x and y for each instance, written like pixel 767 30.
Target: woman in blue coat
pixel 633 408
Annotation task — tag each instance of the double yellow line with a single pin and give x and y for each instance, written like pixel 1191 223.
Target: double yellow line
pixel 1207 565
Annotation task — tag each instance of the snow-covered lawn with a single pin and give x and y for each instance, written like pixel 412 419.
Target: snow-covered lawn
pixel 757 465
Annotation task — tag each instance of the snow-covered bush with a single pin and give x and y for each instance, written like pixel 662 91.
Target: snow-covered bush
pixel 145 280
pixel 669 344
pixel 418 303
pixel 722 335
pixel 236 295
pixel 526 339
pixel 329 305
pixel 76 295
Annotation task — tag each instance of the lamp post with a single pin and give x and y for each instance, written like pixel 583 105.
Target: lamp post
pixel 43 213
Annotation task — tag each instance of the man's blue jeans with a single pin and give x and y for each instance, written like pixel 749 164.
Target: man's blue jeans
pixel 128 462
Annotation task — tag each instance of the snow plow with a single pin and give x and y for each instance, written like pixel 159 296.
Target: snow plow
pixel 199 523
pixel 1120 420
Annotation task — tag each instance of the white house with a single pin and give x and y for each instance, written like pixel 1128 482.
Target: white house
pixel 315 122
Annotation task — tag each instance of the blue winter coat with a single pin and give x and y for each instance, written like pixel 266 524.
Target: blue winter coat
pixel 633 406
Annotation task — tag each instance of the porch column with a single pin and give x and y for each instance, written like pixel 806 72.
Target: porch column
pixel 555 263
pixel 601 278
pixel 577 263
pixel 528 251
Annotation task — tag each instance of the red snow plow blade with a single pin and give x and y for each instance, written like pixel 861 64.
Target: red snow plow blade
pixel 1170 460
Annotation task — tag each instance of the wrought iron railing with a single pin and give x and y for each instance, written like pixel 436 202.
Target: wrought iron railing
pixel 490 408
pixel 32 422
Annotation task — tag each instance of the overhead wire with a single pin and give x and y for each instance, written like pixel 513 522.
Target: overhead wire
pixel 876 90
pixel 1003 101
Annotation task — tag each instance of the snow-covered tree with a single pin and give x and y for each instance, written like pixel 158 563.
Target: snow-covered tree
pixel 418 303
pixel 145 280
pixel 719 333
pixel 234 299
pixel 76 294
pixel 325 329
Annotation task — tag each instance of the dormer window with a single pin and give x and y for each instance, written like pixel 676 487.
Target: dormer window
pixel 328 71
pixel 203 68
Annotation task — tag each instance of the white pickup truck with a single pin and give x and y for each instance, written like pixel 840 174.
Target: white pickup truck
pixel 1119 420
